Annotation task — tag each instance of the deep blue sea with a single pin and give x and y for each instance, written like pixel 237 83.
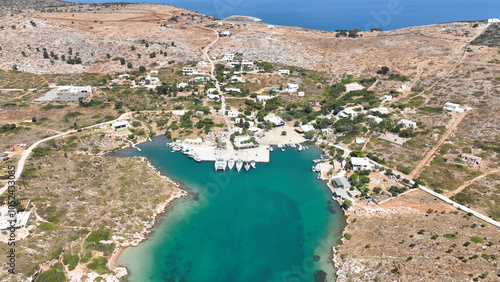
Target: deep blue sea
pixel 273 223
pixel 335 14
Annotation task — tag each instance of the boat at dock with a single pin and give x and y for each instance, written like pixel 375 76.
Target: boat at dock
pixel 300 148
pixel 247 166
pixel 230 164
pixel 316 168
pixel 282 149
pixel 319 176
pixel 239 164
pixel 252 163
pixel 197 158
pixel 220 164
pixel 271 149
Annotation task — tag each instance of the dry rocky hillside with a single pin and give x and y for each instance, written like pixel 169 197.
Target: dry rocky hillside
pixel 96 31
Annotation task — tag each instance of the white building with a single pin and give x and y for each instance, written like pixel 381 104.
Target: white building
pixel 292 87
pixel 453 107
pixel 232 114
pixel 247 64
pixel 11 218
pixel 493 20
pixel 377 119
pixel 178 112
pixel 182 85
pixel 233 90
pixel 154 71
pixel 387 97
pixel 360 163
pixel 203 64
pixel 271 27
pixel 225 33
pixel 121 124
pixel 220 24
pixel 233 64
pixel 407 123
pixel 283 71
pixel 381 110
pixel 239 79
pixel 307 127
pixel 152 80
pixel 187 71
pixel 263 98
pixel 347 113
pixel 359 140
pixel 301 93
pixel 228 57
pixel 122 76
pixel 211 90
pixel 200 78
pixel 276 120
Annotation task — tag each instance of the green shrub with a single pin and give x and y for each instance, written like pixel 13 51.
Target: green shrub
pixel 52 275
pixel 450 235
pixel 476 239
pixel 47 226
pixel 98 264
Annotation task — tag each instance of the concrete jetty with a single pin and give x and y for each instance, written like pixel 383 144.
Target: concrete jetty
pixel 208 151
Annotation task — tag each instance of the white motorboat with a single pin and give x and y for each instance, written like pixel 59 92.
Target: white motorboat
pixel 230 164
pixel 239 165
pixel 282 149
pixel 271 149
pixel 252 163
pixel 220 164
pixel 300 148
pixel 196 158
pixel 247 166
pixel 319 176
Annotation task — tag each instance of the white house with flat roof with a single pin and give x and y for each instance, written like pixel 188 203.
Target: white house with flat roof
pixel 347 113
pixel 387 97
pixel 453 107
pixel 225 33
pixel 232 114
pixel 283 71
pixel 188 71
pixel 202 64
pixel 228 57
pixel 493 20
pixel 360 163
pixel 407 123
pixel 263 98
pixel 154 72
pixel 301 94
pixel 276 120
pixel 292 87
pixel 271 27
pixel 375 118
pixel 381 110
pixel 247 64
pixel 121 124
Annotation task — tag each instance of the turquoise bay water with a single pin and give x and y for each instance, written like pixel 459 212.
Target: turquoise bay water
pixel 274 223
pixel 340 14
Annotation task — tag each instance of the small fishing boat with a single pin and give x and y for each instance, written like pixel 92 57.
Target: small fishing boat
pixel 252 163
pixel 247 166
pixel 319 176
pixel 230 164
pixel 282 149
pixel 239 165
pixel 197 159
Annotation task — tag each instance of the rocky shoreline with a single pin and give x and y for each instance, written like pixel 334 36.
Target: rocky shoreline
pixel 121 271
